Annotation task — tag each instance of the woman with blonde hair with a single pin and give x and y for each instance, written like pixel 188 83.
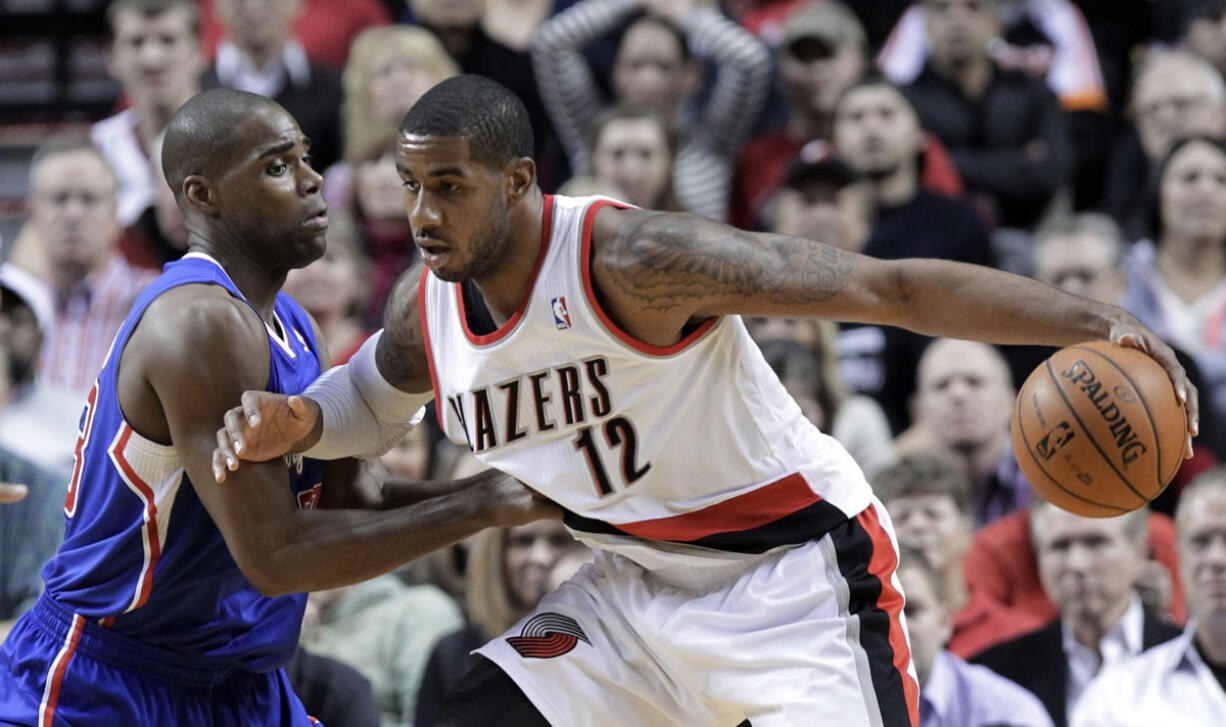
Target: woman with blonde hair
pixel 389 68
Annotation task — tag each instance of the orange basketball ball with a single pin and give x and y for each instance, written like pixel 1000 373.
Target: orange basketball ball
pixel 1098 429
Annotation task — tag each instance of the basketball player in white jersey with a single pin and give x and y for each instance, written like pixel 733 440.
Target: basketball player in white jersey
pixel 595 352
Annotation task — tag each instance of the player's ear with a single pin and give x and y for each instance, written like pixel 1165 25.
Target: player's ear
pixel 199 194
pixel 520 178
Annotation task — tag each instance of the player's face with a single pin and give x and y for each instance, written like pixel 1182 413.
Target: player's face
pixel 928 624
pixel 650 70
pixel 1087 565
pixel 933 525
pixel 964 397
pixel 633 154
pixel 1202 554
pixel 530 553
pixel 156 58
pixel 458 208
pixel 1193 193
pixel 876 131
pixel 72 206
pixel 270 198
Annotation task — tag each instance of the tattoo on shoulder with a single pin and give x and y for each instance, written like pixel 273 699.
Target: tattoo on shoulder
pixel 666 260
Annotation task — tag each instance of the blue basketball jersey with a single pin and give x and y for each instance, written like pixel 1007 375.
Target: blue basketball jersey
pixel 141 555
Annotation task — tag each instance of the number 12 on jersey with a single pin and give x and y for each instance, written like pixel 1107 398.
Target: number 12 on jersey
pixel 618 434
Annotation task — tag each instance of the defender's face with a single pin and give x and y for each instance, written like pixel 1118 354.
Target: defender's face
pixel 270 196
pixel 456 206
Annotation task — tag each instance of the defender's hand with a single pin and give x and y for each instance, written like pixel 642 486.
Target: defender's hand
pixel 1135 335
pixel 12 493
pixel 264 427
pixel 511 503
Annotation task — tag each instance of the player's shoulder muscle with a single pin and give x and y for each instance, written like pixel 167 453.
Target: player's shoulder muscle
pixel 202 332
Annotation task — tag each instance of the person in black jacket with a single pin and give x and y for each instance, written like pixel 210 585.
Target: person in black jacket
pixel 1004 129
pixel 1088 567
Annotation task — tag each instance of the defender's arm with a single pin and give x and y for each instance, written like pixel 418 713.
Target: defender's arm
pixel 280 548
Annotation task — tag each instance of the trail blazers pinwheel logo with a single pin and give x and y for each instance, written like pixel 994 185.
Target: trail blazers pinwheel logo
pixel 547 635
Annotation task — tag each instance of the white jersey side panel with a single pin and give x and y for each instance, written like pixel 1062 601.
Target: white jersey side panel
pixel 611 429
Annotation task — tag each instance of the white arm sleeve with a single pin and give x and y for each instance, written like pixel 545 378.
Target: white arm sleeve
pixel 363 415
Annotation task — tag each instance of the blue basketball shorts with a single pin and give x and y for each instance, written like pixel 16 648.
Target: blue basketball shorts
pixel 59 669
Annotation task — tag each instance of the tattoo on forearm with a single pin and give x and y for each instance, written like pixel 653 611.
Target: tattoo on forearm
pixel 667 260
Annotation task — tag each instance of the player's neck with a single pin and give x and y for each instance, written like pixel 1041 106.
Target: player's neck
pixel 252 278
pixel 504 288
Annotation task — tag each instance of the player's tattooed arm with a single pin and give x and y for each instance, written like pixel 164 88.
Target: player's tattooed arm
pixel 401 353
pixel 684 267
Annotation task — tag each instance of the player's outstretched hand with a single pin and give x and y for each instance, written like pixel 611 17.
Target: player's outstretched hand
pixel 1135 335
pixel 263 427
pixel 512 502
pixel 12 493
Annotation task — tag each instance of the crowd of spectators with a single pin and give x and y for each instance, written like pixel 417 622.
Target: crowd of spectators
pixel 1081 142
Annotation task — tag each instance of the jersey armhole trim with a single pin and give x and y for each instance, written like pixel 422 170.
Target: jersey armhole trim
pixel 589 291
pixel 513 321
pixel 422 291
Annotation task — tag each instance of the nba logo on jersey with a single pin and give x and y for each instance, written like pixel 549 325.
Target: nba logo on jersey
pixel 561 317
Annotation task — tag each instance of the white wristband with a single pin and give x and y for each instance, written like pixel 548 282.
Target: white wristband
pixel 363 414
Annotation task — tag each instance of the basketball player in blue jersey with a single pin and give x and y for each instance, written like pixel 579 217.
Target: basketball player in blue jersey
pixel 175 600
pixel 743 568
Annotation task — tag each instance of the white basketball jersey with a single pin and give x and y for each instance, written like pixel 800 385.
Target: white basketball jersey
pixel 696 443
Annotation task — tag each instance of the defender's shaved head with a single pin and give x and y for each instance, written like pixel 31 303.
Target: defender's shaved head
pixel 202 136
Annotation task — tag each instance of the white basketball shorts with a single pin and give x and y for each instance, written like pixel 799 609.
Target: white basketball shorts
pixel 807 635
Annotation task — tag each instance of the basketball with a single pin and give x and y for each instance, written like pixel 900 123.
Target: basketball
pixel 1098 429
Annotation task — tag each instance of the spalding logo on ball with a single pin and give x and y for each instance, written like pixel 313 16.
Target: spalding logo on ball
pixel 1098 429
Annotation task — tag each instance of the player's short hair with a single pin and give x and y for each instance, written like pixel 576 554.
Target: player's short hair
pixel 152 9
pixel 200 137
pixel 485 113
pixel 924 474
pixel 68 143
